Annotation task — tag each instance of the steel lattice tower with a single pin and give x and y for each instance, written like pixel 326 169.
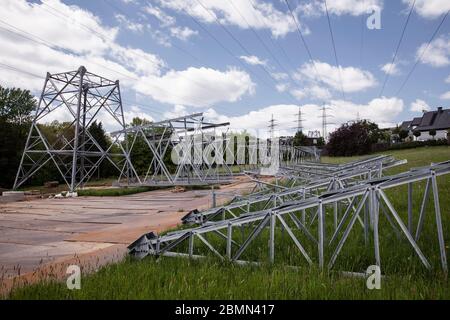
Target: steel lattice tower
pixel 299 120
pixel 76 154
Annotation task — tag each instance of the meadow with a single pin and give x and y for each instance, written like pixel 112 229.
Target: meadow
pixel 177 278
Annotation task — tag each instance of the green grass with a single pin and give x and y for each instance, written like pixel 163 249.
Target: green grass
pixel 170 278
pixel 114 192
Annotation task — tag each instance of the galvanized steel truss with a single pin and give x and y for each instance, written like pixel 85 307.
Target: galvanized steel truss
pixel 306 220
pixel 161 137
pixel 82 96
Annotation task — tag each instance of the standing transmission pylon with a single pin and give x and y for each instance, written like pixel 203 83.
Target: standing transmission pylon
pixel 299 120
pixel 325 122
pixel 272 125
pixel 83 97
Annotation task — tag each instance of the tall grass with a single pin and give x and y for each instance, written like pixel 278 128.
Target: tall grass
pixel 210 278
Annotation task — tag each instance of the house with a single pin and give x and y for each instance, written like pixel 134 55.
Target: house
pixel 438 121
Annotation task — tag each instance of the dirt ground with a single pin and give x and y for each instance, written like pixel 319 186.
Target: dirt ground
pixel 41 237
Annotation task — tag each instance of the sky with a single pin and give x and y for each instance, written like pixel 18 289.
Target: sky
pixel 240 61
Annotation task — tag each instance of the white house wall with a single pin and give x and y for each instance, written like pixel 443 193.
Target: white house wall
pixel 425 135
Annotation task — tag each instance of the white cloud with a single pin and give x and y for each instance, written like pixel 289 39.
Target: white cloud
pixel 437 54
pixel 445 96
pixel 447 80
pixel 313 91
pixel 164 18
pixel 129 25
pixel 68 45
pixel 299 94
pixel 183 33
pixel 419 105
pixel 134 112
pixel 178 111
pixel 64 32
pixel 340 7
pixel 353 79
pixel 381 111
pixel 197 87
pixel 135 68
pixel 391 69
pixel 282 87
pixel 319 92
pixel 253 60
pixel 430 8
pixel 280 76
pixel 169 22
pixel 109 122
pixel 262 16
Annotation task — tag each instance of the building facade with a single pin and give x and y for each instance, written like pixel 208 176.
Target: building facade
pixel 437 121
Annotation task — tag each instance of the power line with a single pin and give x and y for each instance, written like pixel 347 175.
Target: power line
pixel 133 52
pixel 398 47
pixel 6 66
pixel 51 46
pixel 275 44
pixel 423 52
pixel 235 39
pixel 334 49
pixel 112 5
pixel 231 53
pixel 226 49
pixel 27 35
pixel 300 33
pixel 261 41
pixel 361 45
pixel 200 85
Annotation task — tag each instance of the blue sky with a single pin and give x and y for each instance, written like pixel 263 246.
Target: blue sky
pixel 175 67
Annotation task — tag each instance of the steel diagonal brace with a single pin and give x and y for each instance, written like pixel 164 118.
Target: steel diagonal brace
pixel 347 230
pixel 405 230
pixel 174 243
pixel 252 236
pixel 344 218
pixel 423 209
pixel 157 156
pixel 437 209
pixel 297 243
pixel 209 245
pixel 302 227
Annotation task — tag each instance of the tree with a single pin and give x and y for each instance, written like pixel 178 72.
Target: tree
pixel 106 168
pixel 417 134
pixel 16 105
pixel 353 139
pixel 403 134
pixel 141 155
pixel 432 133
pixel 300 139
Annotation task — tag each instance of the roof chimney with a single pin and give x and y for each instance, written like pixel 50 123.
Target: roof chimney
pixel 439 109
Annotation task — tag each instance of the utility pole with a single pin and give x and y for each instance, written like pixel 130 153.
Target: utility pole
pixel 272 126
pixel 325 122
pixel 299 120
